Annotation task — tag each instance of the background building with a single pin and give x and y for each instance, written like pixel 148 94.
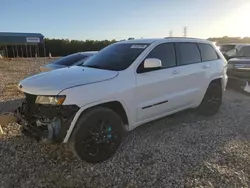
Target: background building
pixel 22 44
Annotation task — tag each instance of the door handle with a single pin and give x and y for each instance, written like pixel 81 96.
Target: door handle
pixel 176 72
pixel 206 66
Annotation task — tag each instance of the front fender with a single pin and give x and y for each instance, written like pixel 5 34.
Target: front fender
pixel 84 108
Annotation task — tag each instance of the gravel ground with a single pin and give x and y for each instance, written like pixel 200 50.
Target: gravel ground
pixel 184 150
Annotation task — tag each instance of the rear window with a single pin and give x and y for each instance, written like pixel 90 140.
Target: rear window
pixel 70 59
pixel 118 56
pixel 207 52
pixel 228 47
pixel 188 53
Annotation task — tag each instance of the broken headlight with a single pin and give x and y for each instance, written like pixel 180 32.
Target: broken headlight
pixel 54 100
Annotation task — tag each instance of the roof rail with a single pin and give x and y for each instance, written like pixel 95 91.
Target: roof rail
pixel 182 37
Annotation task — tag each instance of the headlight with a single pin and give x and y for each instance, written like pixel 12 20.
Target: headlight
pixel 55 100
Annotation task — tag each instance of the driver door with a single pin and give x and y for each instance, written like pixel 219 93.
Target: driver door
pixel 157 90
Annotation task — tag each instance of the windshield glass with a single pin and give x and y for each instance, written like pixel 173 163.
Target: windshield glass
pixel 116 57
pixel 82 61
pixel 244 51
pixel 70 59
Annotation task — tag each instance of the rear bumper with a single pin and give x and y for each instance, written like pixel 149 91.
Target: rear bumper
pixel 45 122
pixel 224 82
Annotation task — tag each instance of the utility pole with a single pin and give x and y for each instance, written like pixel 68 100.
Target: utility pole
pixel 185 31
pixel 170 33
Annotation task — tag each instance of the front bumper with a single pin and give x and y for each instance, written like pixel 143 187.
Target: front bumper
pixel 45 122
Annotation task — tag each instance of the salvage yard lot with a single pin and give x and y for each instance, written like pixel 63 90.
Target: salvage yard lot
pixel 184 150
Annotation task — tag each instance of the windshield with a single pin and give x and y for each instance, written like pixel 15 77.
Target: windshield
pixel 244 52
pixel 70 59
pixel 116 57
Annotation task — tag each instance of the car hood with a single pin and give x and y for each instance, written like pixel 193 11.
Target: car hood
pixel 53 82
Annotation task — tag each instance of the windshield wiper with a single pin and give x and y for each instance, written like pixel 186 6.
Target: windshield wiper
pixel 93 66
pixel 97 67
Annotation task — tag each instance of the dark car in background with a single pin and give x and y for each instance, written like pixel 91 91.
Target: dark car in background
pixel 67 61
pixel 230 49
pixel 239 65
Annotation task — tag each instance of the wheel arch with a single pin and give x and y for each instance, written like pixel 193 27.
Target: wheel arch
pixel 217 81
pixel 115 105
pixel 202 94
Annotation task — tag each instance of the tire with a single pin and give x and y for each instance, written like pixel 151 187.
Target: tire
pixel 97 135
pixel 211 101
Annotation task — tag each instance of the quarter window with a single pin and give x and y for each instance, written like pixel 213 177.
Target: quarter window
pixel 188 53
pixel 207 52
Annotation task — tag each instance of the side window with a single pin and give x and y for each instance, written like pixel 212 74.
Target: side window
pixel 164 52
pixel 207 52
pixel 188 53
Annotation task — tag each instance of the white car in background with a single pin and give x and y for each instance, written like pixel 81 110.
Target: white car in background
pixel 125 85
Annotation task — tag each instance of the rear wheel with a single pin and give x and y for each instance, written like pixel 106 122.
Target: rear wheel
pixel 212 100
pixel 97 135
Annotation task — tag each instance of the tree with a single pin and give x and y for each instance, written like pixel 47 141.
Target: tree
pixel 62 47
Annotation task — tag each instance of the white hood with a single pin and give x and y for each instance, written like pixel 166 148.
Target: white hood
pixel 53 82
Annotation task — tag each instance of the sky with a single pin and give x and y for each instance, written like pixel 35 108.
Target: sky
pixel 121 19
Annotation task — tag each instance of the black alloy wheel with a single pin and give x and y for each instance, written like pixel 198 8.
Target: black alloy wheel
pixel 97 135
pixel 212 100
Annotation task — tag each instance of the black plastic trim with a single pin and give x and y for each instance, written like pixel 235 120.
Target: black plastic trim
pixel 155 104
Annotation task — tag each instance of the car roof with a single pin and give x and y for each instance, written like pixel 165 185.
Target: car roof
pixel 167 39
pixel 237 44
pixel 247 45
pixel 229 44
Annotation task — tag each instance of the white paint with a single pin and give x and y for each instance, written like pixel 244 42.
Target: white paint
pixel 247 88
pixel 32 39
pixel 182 86
pixel 53 82
pixel 139 46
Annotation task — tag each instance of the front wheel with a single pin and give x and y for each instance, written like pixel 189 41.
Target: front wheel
pixel 212 100
pixel 97 135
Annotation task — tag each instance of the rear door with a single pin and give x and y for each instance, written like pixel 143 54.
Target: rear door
pixel 210 63
pixel 192 72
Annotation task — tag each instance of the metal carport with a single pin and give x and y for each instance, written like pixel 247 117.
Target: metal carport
pixel 21 44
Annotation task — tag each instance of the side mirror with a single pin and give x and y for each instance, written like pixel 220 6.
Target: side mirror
pixel 152 63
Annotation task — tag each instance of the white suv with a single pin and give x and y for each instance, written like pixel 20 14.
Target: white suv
pixel 123 86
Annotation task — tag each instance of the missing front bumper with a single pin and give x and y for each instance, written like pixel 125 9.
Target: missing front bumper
pixel 45 122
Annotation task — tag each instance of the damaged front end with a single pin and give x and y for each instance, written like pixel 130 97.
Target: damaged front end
pixel 45 121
